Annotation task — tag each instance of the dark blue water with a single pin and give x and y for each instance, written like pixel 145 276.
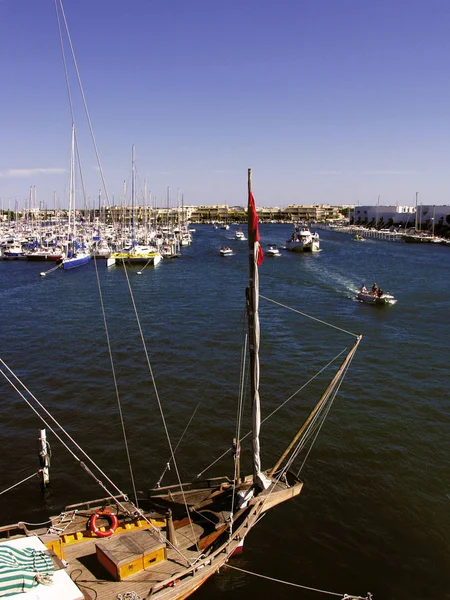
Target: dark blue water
pixel 374 514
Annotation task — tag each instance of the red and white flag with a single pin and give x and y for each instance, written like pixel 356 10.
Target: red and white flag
pixel 253 231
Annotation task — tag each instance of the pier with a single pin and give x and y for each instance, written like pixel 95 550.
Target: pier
pixel 378 234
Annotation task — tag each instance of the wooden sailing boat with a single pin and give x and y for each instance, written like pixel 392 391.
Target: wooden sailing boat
pixel 170 542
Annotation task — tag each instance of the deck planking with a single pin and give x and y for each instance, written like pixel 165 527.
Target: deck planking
pixel 90 575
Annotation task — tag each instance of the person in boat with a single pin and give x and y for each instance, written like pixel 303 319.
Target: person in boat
pixel 374 288
pixel 363 289
pixel 379 292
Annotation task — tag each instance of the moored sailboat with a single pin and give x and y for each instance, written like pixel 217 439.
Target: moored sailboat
pixel 136 253
pixel 75 254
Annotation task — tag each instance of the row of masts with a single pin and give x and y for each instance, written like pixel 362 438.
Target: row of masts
pixel 30 238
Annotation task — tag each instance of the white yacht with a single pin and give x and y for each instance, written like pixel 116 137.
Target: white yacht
pixel 303 240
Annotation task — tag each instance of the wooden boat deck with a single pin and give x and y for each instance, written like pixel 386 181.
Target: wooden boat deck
pixel 172 572
pixel 86 571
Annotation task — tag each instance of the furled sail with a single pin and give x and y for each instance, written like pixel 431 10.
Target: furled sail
pixel 255 258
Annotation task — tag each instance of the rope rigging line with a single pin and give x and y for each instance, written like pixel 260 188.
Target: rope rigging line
pixel 82 181
pixel 108 203
pixel 316 419
pixel 158 400
pixel 299 312
pixel 66 73
pixel 60 2
pixel 167 467
pixel 77 446
pixel 240 411
pixel 35 474
pixel 298 585
pixel 116 387
pixel 323 407
pixel 88 118
pixel 295 454
pixel 270 415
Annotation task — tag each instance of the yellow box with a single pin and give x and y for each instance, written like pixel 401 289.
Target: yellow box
pixel 129 553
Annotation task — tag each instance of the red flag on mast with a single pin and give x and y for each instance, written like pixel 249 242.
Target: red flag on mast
pixel 253 228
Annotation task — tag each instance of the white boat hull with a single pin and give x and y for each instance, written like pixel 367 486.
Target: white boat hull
pixel 311 246
pixel 370 298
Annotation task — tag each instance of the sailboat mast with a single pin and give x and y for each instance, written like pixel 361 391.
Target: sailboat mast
pixel 133 174
pixel 254 333
pixel 417 215
pixel 72 185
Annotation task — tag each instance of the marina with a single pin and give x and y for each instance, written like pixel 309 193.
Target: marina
pixel 364 522
pixel 255 418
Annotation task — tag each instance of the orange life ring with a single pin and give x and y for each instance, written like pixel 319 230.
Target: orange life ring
pixel 103 514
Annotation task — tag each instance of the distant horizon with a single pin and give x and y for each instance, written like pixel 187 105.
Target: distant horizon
pixel 187 206
pixel 339 103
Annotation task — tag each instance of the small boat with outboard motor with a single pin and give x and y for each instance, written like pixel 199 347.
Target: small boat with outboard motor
pixel 375 296
pixel 225 251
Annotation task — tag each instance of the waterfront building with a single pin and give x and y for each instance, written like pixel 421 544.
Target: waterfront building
pixel 427 217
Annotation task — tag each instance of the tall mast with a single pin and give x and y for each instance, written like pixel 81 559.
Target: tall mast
pixel 72 185
pixel 254 257
pixel 133 174
pixel 417 215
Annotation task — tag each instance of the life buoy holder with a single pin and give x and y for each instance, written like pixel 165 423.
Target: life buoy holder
pixel 103 514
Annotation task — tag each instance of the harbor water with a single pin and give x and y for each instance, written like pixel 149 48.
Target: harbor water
pixel 374 513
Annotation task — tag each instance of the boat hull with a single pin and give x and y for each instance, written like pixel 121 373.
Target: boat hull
pixel 14 256
pixel 76 261
pixel 206 548
pixel 368 298
pixel 312 246
pixel 151 259
pixel 41 256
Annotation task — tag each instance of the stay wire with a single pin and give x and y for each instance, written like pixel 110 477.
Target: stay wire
pixel 42 408
pixel 299 312
pixel 270 415
pixel 66 26
pixel 298 585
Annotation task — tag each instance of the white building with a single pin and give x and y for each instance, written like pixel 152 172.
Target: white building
pixel 404 216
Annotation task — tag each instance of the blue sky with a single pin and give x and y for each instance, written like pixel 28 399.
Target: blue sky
pixel 328 101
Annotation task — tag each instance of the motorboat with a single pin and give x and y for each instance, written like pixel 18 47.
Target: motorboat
pixel 239 235
pixel 225 251
pixel 376 296
pixel 272 250
pixel 303 240
pixel 359 238
pixel 168 251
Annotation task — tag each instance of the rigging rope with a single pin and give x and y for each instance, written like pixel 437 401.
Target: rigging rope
pixel 240 411
pixel 108 202
pixel 296 452
pixel 298 585
pixel 299 312
pixel 77 446
pixel 270 415
pixel 158 400
pixel 324 407
pixel 167 467
pixel 36 474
